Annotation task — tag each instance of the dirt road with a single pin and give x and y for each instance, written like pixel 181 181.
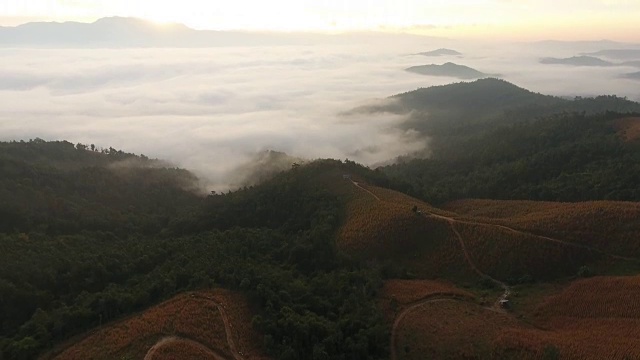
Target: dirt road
pixel 237 355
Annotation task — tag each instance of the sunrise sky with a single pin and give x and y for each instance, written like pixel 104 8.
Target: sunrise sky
pixel 517 19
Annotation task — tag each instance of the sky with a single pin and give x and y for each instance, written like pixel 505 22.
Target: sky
pixel 500 19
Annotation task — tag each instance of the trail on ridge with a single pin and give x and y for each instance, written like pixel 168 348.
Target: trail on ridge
pixel 214 353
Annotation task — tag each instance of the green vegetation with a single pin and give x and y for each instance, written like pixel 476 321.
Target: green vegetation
pixel 89 235
pixel 87 242
pixel 504 144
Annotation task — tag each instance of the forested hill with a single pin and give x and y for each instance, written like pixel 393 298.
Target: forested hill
pixel 563 158
pixel 468 107
pixel 61 188
pixel 88 237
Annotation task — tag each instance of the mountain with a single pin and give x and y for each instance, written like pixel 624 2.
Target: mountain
pixel 109 255
pixel 124 32
pixel 440 52
pixel 621 54
pixel 577 61
pixel 466 107
pixel 635 63
pixel 481 248
pixel 447 69
pixel 463 121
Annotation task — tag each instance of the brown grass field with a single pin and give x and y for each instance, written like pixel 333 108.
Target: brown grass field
pixel 388 230
pixel 189 323
pixel 628 128
pixel 398 294
pixel 508 240
pixel 506 255
pixel 597 318
pixel 613 227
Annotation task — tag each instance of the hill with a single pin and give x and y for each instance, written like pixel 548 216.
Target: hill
pixel 461 123
pixel 440 52
pixel 205 324
pixel 447 69
pixel 322 261
pixel 461 329
pixel 577 61
pixel 61 188
pixel 588 223
pixel 137 240
pixel 552 242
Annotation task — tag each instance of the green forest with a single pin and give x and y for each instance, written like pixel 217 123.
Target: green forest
pixel 490 139
pixel 89 235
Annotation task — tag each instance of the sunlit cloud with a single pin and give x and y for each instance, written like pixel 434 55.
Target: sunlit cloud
pixel 615 19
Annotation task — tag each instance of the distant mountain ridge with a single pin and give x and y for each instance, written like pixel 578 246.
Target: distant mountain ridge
pixel 577 61
pixel 447 69
pixel 466 107
pixel 440 52
pixel 126 32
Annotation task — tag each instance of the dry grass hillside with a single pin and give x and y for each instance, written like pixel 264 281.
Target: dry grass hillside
pixel 628 128
pixel 504 241
pixel 397 295
pixel 508 240
pixel 613 227
pixel 189 326
pixel 380 224
pixel 590 319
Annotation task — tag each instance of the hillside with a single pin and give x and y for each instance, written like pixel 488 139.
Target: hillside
pixel 61 188
pixel 323 260
pixel 607 226
pixel 570 157
pixel 447 69
pixel 155 240
pixel 205 325
pixel 546 241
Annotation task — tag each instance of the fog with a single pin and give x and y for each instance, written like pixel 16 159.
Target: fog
pixel 211 110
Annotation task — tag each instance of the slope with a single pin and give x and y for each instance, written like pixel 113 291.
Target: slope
pixel 569 157
pixel 430 243
pixel 213 324
pixel 607 226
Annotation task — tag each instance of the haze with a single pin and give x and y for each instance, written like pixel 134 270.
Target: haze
pixel 210 108
pixel 517 19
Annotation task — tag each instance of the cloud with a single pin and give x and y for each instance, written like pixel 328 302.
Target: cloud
pixel 210 110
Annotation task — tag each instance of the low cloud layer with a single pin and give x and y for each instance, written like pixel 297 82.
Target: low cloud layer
pixel 210 110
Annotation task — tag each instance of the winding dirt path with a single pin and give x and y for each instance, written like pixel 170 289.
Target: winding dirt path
pixel 169 340
pixel 396 323
pixel 506 290
pixel 370 193
pixel 541 237
pixel 237 355
pixel 452 221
